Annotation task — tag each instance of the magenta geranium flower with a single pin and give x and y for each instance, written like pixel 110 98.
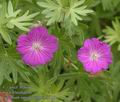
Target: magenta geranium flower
pixel 95 55
pixel 37 47
pixel 9 99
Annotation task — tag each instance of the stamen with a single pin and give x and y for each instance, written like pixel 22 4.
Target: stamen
pixel 37 46
pixel 94 56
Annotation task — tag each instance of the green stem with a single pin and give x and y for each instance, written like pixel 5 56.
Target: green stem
pixel 72 64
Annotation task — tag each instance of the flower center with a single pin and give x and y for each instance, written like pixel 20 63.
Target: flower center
pixel 36 46
pixel 94 56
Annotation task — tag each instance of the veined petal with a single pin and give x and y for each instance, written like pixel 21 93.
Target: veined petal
pixel 37 47
pixel 51 44
pixel 23 44
pixel 38 33
pixel 95 55
pixel 37 58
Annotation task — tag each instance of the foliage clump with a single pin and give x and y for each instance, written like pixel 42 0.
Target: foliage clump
pixel 63 79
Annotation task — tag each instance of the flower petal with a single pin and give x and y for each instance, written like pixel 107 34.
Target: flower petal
pixel 100 48
pixel 37 58
pixel 51 44
pixel 23 44
pixel 38 33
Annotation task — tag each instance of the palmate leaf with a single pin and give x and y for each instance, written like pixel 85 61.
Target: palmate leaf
pixel 88 88
pixel 53 10
pixel 9 19
pixel 113 34
pixel 56 11
pixel 46 89
pixel 110 4
pixel 11 67
pixel 3 30
pixel 22 21
pixel 114 74
pixel 107 4
pixel 77 11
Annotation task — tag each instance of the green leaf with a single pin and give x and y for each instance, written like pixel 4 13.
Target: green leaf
pixel 5 35
pixel 110 4
pixel 77 11
pixel 53 91
pixel 10 8
pixel 11 68
pixel 113 34
pixel 22 22
pixel 57 11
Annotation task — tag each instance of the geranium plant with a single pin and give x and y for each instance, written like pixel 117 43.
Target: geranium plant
pixel 59 51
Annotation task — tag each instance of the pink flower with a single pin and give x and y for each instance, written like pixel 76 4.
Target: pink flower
pixel 9 99
pixel 95 55
pixel 37 47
